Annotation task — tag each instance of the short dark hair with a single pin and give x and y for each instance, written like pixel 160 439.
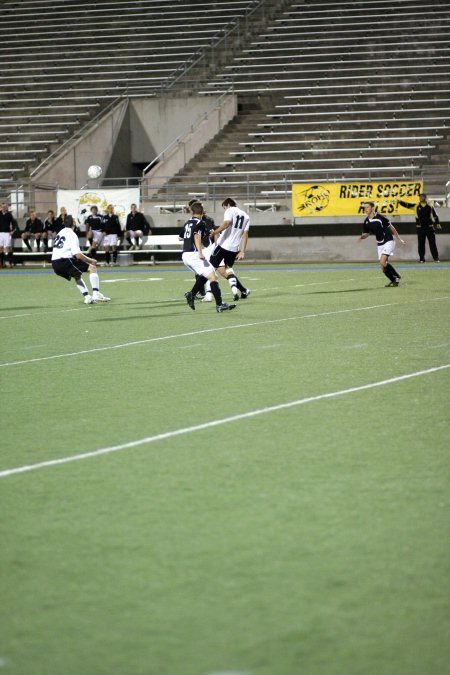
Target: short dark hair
pixel 370 203
pixel 228 202
pixel 196 207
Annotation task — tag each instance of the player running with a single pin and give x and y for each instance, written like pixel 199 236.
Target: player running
pixel 194 259
pixel 231 243
pixel 70 263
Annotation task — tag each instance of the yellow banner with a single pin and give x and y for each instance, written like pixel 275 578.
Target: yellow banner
pixel 347 199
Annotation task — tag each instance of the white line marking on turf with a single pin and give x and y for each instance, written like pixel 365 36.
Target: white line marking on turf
pixel 18 316
pixel 130 281
pixel 209 330
pixel 215 423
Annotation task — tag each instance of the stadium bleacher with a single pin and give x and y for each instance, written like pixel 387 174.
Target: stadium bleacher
pixel 342 90
pixel 63 61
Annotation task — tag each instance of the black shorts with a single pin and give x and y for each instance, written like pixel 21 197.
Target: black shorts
pixel 220 255
pixel 69 268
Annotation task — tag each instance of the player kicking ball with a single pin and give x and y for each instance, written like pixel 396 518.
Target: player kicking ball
pixel 70 263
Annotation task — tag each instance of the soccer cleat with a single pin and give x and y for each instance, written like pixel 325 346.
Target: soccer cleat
pixel 245 294
pixel 393 283
pixel 224 306
pixel 235 293
pixel 88 300
pixel 190 299
pixel 208 297
pixel 99 297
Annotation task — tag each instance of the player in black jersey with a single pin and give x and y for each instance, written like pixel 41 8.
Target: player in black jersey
pixel 94 234
pixel 209 245
pixel 384 232
pixel 194 259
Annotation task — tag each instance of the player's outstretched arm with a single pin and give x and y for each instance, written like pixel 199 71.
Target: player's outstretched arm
pixel 396 235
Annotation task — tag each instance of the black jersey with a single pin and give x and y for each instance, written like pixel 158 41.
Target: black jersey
pixel 49 225
pixel 191 227
pixel 63 221
pixel 137 221
pixel 426 215
pixel 380 227
pixel 210 226
pixel 94 222
pixel 7 222
pixel 34 226
pixel 111 224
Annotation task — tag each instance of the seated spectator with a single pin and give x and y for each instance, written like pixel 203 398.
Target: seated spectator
pixel 49 228
pixel 33 227
pixel 63 220
pixel 136 226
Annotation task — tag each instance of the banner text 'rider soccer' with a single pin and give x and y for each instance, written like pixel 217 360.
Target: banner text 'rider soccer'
pixel 347 199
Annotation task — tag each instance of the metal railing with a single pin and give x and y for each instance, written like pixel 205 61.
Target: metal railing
pixel 27 194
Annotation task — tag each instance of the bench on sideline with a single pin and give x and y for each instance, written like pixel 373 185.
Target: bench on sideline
pixel 154 245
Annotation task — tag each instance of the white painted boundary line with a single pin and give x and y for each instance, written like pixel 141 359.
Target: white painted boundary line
pixel 213 423
pixel 209 330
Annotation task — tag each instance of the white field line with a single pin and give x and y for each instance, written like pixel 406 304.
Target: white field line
pixel 175 336
pixel 214 423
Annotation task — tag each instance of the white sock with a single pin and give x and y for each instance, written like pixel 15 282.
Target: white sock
pixel 208 287
pixel 82 287
pixel 94 281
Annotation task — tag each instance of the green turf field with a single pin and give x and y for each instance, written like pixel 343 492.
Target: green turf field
pixel 272 495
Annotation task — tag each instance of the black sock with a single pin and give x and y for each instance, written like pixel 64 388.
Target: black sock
pixel 27 244
pixel 107 257
pixel 237 282
pixel 199 285
pixel 129 241
pixel 10 258
pixel 38 244
pixel 93 253
pixel 393 271
pixel 2 259
pixel 114 256
pixel 388 273
pixel 215 290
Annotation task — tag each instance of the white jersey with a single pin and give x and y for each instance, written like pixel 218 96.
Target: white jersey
pixel 230 239
pixel 65 244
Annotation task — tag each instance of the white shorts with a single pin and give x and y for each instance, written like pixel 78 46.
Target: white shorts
pixel 110 240
pixel 193 262
pixel 386 249
pixel 5 240
pixel 97 236
pixel 207 251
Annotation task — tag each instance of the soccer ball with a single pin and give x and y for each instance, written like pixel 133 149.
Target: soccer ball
pixel 94 171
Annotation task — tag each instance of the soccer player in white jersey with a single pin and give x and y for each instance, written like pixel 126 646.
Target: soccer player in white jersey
pixel 231 243
pixel 70 263
pixel 193 257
